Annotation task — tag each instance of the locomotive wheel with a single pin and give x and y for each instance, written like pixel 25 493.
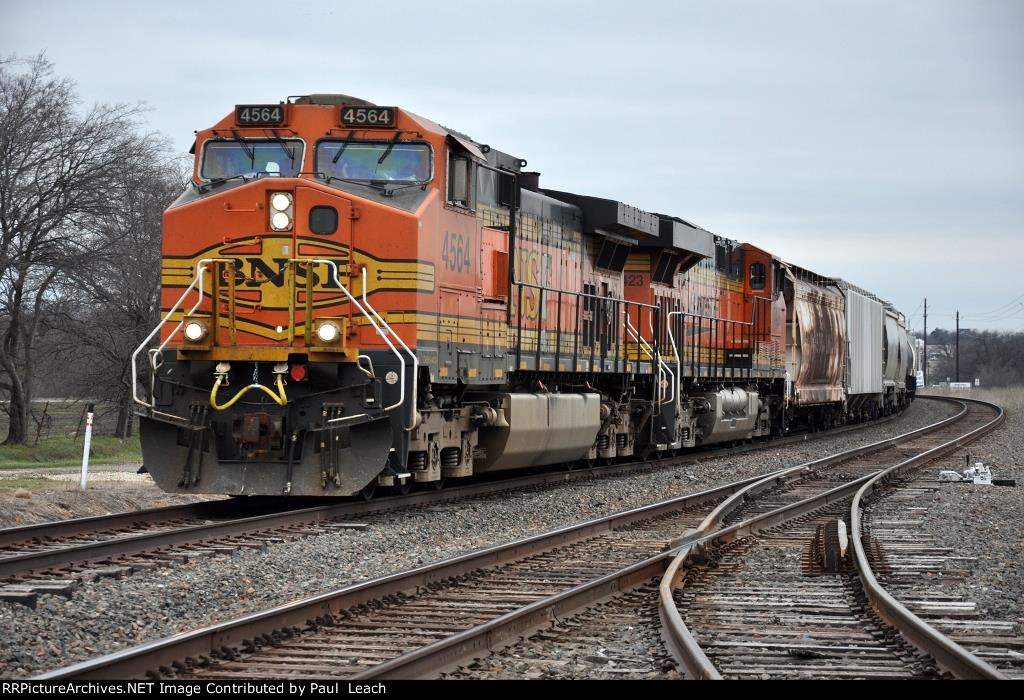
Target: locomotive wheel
pixel 437 485
pixel 403 489
pixel 590 464
pixel 367 492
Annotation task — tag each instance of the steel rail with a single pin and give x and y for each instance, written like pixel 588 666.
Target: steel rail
pixel 680 640
pixel 947 653
pixel 130 544
pixel 92 523
pixel 139 660
pixel 447 652
pixel 168 652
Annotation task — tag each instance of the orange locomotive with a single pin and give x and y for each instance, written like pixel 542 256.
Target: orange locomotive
pixel 355 296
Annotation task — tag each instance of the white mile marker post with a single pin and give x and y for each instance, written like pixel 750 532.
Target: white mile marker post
pixel 88 443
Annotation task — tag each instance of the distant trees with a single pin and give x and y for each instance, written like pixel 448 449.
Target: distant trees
pixel 997 359
pixel 110 304
pixel 80 194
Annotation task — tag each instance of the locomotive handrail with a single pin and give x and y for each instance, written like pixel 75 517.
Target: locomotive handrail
pixel 197 280
pixel 362 309
pixel 197 285
pixel 679 367
pixel 620 352
pixel 587 294
pixel 414 419
pixel 646 347
pixel 664 366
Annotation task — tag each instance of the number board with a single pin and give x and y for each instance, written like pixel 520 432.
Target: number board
pixel 368 116
pixel 259 115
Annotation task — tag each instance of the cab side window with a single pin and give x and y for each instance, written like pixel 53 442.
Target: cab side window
pixel 757 275
pixel 460 184
pixel 494 187
pixel 486 187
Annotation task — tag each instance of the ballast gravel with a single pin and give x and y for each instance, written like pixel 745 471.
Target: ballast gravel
pixel 983 523
pixel 111 614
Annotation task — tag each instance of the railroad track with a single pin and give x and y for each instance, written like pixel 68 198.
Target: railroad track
pixel 361 628
pixel 57 557
pixel 769 597
pixel 420 622
pixel 805 499
pixel 909 574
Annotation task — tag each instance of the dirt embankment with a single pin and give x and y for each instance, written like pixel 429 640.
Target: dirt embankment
pixel 29 496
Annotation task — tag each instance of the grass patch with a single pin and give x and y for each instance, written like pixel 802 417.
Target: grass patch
pixel 65 451
pixel 32 483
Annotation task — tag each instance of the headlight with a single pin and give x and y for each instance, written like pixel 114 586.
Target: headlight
pixel 328 332
pixel 194 331
pixel 282 211
pixel 280 221
pixel 280 201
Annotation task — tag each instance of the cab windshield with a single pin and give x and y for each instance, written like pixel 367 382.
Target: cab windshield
pixel 374 161
pixel 230 158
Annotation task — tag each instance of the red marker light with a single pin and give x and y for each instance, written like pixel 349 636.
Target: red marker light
pixel 298 372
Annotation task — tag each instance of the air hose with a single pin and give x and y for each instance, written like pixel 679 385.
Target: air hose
pixel 279 398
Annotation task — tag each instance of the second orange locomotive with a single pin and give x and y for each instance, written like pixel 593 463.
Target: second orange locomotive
pixel 355 296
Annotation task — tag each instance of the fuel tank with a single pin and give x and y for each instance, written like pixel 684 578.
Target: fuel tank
pixel 726 415
pixel 542 429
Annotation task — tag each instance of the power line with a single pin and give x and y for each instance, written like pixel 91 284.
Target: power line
pixel 999 309
pixel 1013 308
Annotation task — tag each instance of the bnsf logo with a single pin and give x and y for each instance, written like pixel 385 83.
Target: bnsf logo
pixel 256 272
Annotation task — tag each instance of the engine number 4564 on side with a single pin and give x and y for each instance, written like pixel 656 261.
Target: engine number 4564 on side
pixel 456 252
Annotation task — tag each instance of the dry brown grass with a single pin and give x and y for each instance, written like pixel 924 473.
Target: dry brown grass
pixel 1011 398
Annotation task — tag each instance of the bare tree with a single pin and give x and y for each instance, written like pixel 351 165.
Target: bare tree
pixel 995 358
pixel 57 169
pixel 105 310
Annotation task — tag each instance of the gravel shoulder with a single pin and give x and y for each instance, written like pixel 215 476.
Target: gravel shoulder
pixel 985 521
pixel 114 613
pixel 44 494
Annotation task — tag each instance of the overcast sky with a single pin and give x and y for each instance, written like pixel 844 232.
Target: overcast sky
pixel 882 142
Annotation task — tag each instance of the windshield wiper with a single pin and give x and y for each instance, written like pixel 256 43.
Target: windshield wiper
pixel 207 186
pixel 388 192
pixel 344 145
pixel 376 184
pixel 288 150
pixel 249 150
pixel 391 145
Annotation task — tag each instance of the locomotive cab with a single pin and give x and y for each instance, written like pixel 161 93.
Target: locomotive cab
pixel 275 372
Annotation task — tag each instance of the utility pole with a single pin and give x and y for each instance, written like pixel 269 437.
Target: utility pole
pixel 958 345
pixel 925 342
